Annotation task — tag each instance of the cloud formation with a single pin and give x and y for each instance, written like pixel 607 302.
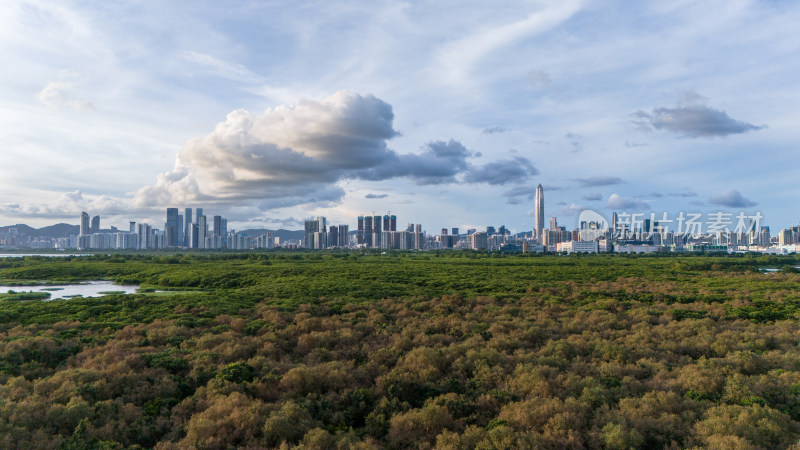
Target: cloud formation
pixel 599 181
pixel 287 155
pixel 54 96
pixel 439 163
pixel 691 118
pixel 616 201
pixel 458 58
pixel 221 68
pixel 502 172
pixel 593 197
pixel 570 210
pixel 731 199
pixel 494 130
pixel 684 193
pixel 293 155
pixel 68 204
pixel 376 195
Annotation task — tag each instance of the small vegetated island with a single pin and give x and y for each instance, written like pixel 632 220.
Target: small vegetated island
pixel 433 350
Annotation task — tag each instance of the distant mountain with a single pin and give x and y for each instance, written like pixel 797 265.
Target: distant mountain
pixel 54 231
pixel 285 235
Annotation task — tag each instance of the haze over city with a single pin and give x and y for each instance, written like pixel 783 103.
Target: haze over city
pixel 446 113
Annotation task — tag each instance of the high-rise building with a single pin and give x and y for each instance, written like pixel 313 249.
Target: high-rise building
pixel 785 237
pixel 393 220
pixel 194 236
pixel 764 237
pixel 85 230
pixel 539 212
pixel 181 238
pixel 171 227
pixel 187 227
pixel 197 213
pixel 360 232
pixel 132 228
pixel 368 231
pixel 315 233
pixel 95 224
pixel 478 241
pixel 387 223
pixel 218 226
pixel 376 232
pixel 614 222
pixel 344 236
pixel 202 229
pixel 224 226
pixel 333 236
pixel 144 236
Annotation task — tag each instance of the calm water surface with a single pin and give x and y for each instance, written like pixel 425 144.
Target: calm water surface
pixel 62 291
pixel 49 255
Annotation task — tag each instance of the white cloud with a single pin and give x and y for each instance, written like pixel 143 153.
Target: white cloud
pixel 458 58
pixel 222 68
pixel 54 96
pixel 616 201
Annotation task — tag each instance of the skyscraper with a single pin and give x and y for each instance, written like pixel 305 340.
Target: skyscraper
pixel 202 229
pixel 376 232
pixel 144 236
pixel 187 227
pixel 85 224
pixel 360 234
pixel 95 224
pixel 614 222
pixel 333 236
pixel 181 238
pixel 539 212
pixel 316 235
pixel 344 236
pixel 217 225
pixel 368 231
pixel 171 227
pixel 194 236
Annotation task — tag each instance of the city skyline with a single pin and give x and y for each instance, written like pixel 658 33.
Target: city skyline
pixel 594 233
pixel 270 114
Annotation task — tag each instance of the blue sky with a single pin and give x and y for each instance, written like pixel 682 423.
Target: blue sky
pixel 445 113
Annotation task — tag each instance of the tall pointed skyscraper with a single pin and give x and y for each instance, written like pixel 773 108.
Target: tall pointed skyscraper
pixel 539 212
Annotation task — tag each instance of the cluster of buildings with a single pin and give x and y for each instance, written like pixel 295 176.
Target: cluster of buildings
pixel 637 233
pixel 318 236
pixel 626 233
pixel 377 231
pixel 190 230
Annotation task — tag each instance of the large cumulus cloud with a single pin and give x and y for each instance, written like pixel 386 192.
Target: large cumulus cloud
pixel 292 155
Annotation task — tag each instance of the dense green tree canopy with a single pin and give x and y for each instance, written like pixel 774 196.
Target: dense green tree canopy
pixel 438 350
